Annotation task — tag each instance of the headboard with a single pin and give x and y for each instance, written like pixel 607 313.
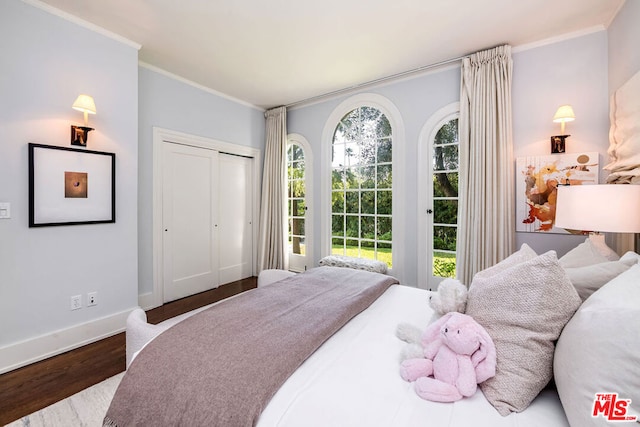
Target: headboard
pixel 624 134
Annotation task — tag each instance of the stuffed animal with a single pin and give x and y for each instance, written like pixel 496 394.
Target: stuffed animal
pixel 450 296
pixel 459 354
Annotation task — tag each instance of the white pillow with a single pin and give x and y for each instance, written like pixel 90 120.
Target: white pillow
pixel 523 308
pixel 590 278
pixel 587 253
pixel 599 350
pixel 630 255
pixel 525 253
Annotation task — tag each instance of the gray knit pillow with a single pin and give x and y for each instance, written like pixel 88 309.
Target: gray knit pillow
pixel 523 308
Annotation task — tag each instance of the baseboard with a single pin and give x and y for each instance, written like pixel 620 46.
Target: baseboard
pixel 23 353
pixel 148 301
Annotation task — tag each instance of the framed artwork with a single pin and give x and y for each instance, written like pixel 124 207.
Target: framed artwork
pixel 68 186
pixel 537 180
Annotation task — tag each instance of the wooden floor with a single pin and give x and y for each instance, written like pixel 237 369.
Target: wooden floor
pixel 37 386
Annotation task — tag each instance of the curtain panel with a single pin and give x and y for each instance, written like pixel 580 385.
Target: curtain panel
pixel 486 218
pixel 273 231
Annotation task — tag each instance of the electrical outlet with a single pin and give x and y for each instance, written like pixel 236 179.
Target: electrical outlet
pixel 92 299
pixel 76 302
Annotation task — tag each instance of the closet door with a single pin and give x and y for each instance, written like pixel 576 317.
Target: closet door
pixel 189 207
pixel 235 217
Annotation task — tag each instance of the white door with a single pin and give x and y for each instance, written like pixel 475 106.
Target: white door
pixel 189 206
pixel 235 217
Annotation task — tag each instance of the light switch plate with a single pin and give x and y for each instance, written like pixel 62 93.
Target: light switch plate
pixel 5 210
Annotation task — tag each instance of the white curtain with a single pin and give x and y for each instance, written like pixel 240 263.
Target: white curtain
pixel 271 245
pixel 486 218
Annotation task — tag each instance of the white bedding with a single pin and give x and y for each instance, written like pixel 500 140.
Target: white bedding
pixel 353 380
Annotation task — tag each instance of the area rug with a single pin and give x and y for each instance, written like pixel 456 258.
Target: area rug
pixel 86 408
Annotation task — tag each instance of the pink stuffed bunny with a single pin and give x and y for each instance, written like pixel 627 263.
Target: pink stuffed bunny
pixel 458 355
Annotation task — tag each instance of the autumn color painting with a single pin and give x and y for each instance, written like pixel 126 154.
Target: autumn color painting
pixel 537 185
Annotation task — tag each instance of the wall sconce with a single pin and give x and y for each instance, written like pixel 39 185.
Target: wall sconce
pixel 80 134
pixel 563 115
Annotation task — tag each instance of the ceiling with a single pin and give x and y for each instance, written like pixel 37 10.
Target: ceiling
pixel 276 52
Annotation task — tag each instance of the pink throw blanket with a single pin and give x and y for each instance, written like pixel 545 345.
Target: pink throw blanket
pixel 221 366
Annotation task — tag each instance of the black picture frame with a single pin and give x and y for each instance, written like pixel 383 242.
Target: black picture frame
pixel 69 186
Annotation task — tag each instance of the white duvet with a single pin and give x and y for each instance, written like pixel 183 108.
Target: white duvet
pixel 353 380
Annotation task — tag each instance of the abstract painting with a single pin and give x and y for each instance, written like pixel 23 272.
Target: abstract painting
pixel 537 180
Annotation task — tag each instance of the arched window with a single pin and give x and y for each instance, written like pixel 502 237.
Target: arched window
pixel 361 186
pixel 299 175
pixel 438 194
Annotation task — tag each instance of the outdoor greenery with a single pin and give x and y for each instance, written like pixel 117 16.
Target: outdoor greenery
pixel 361 182
pixel 296 193
pixel 445 199
pixel 361 197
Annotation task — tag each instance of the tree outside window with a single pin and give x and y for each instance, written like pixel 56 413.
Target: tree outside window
pixel 361 182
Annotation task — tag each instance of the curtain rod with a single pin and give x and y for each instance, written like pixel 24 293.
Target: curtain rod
pixel 376 81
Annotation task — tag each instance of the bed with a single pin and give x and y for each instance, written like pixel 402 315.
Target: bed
pixel 352 379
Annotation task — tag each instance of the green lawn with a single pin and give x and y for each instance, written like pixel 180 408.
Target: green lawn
pixel 443 263
pixel 384 255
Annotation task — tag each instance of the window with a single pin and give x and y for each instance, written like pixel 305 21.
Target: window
pixel 437 182
pixel 298 186
pixel 445 199
pixel 361 186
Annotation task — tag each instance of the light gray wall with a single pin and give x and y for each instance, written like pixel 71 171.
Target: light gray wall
pixel 169 103
pixel 573 71
pixel 624 53
pixel 416 99
pixel 46 62
pixel 568 72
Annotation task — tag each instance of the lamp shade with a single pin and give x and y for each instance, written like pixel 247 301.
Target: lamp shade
pixel 605 207
pixel 85 104
pixel 564 114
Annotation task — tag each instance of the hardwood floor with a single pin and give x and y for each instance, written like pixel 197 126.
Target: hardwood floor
pixel 36 386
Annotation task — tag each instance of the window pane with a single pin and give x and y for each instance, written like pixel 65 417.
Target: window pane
pixel 368 175
pixel 445 211
pixel 368 202
pixel 296 188
pixel 384 151
pixel 383 129
pixel 368 227
pixel 384 228
pixel 384 176
pixel 297 245
pixel 337 243
pixel 444 264
pixel 444 238
pixel 353 226
pixel 298 227
pixel 352 248
pixel 352 153
pixel 384 202
pixel 352 202
pixel 337 179
pixel 337 225
pixel 445 158
pixel 445 184
pixel 448 133
pixel 337 201
pixel 298 207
